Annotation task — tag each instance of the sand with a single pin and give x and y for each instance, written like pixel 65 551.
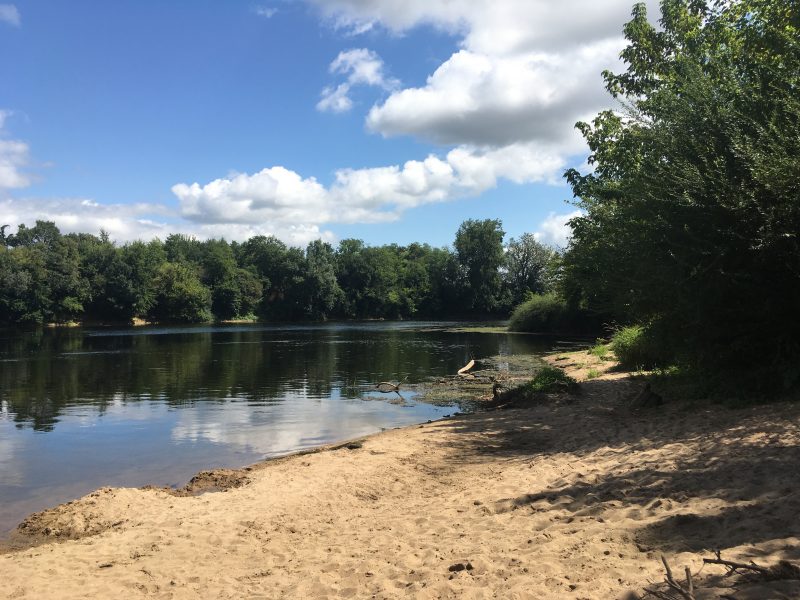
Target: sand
pixel 573 497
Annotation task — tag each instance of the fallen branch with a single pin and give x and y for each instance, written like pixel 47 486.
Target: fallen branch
pixel 685 593
pixel 387 387
pixel 783 570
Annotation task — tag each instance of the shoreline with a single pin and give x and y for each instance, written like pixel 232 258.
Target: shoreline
pixel 570 497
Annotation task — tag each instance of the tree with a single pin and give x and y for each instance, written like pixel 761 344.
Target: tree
pixel 320 292
pixel 527 267
pixel 143 261
pixel 692 211
pixel 479 249
pixel 179 295
pixel 44 278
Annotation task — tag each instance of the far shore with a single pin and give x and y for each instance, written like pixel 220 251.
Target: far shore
pixel 568 496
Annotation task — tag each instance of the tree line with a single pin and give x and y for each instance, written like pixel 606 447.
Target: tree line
pixel 50 277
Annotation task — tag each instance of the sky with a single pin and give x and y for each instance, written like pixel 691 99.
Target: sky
pixel 391 121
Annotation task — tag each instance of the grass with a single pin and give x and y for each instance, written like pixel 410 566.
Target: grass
pixel 592 374
pixel 601 350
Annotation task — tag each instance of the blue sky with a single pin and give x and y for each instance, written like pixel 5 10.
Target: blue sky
pixel 386 120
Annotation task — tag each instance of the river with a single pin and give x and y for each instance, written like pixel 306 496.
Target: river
pixel 85 408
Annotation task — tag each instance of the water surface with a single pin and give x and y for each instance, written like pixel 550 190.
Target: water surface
pixel 83 408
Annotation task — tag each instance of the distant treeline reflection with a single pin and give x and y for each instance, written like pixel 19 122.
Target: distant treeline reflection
pixel 45 371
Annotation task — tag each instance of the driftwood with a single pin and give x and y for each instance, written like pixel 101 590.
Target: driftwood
pixel 463 370
pixel 387 387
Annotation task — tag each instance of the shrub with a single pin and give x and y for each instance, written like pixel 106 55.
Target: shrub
pixel 550 379
pixel 549 313
pixel 637 347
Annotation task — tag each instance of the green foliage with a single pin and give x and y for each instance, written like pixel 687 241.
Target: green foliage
pixel 691 211
pixel 601 350
pixel 179 296
pixel 479 249
pixel 550 379
pixel 636 347
pixel 549 313
pixel 46 277
pixel 528 268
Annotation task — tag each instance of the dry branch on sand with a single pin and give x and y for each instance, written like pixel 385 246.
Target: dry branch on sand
pixel 783 570
pixel 752 571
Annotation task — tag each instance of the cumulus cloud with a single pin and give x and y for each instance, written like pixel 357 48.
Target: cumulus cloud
pixel 126 222
pixel 555 231
pixel 527 70
pixel 360 66
pixel 335 99
pixel 282 197
pixel 14 158
pixel 497 27
pixel 478 99
pixel 9 14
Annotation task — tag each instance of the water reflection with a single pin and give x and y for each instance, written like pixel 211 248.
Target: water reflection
pixel 80 409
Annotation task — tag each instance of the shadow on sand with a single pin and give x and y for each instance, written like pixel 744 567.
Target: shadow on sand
pixel 699 477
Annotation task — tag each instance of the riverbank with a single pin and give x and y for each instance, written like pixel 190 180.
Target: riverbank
pixel 573 497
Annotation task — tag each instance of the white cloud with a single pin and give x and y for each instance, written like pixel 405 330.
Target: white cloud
pixel 361 67
pixel 266 12
pixel 335 99
pixel 14 158
pixel 555 231
pixel 9 14
pixel 479 99
pixel 126 222
pixel 282 197
pixel 497 27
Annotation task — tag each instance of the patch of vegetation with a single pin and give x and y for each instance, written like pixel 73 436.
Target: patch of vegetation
pixel 551 379
pixel 593 374
pixel 637 348
pixel 550 313
pixel 601 350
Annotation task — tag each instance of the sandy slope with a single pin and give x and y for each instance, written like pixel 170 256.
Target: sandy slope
pixel 574 498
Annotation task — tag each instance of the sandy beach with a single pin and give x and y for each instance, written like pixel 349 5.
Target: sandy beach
pixel 575 496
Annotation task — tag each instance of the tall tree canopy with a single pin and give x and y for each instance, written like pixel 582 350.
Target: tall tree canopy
pixel 693 208
pixel 479 248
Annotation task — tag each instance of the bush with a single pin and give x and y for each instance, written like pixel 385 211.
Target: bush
pixel 549 313
pixel 637 347
pixel 550 379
